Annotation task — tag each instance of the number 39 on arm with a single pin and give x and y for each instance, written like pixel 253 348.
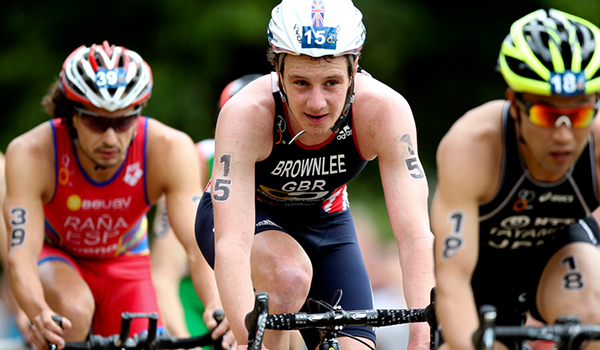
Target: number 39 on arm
pixel 18 219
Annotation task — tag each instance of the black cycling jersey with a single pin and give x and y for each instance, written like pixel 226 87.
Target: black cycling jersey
pixel 525 213
pixel 525 224
pixel 295 174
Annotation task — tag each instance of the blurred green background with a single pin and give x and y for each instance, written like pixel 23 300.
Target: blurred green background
pixel 440 55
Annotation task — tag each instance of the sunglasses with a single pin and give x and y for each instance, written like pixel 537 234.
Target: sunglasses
pixel 100 124
pixel 549 117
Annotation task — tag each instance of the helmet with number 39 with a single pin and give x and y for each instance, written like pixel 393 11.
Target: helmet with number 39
pixel 551 53
pixel 106 76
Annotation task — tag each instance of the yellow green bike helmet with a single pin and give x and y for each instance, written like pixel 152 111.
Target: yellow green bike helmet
pixel 551 53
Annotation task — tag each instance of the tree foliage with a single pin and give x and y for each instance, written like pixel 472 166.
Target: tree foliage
pixel 440 55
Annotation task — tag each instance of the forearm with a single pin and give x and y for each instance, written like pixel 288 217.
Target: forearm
pixel 232 270
pixel 456 312
pixel 167 291
pixel 418 281
pixel 203 278
pixel 27 289
pixel 417 265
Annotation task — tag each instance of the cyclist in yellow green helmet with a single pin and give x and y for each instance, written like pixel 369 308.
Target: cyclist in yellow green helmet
pixel 513 212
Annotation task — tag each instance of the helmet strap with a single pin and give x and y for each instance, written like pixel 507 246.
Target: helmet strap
pixel 349 101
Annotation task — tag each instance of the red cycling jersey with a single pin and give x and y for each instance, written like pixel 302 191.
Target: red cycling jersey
pixel 98 220
pixel 101 230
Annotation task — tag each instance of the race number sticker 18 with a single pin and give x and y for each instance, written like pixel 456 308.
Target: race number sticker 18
pixel 110 78
pixel 319 38
pixel 567 83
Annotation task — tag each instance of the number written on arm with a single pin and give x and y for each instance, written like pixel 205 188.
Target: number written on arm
pixel 221 191
pixel 18 220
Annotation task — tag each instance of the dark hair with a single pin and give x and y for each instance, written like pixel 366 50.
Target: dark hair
pixel 57 105
pixel 276 60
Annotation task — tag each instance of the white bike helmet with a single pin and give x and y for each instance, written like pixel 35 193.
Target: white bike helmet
pixel 316 28
pixel 106 76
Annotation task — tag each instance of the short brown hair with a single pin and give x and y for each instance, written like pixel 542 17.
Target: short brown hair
pixel 276 60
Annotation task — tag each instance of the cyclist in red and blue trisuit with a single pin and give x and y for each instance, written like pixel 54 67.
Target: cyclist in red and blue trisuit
pixel 78 190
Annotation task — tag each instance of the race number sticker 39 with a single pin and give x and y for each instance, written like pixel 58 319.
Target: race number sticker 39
pixel 18 219
pixel 111 78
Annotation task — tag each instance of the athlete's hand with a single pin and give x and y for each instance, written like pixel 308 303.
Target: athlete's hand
pixel 220 330
pixel 45 330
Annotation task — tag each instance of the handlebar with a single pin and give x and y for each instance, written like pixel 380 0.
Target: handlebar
pixel 259 319
pixel 568 333
pixel 146 341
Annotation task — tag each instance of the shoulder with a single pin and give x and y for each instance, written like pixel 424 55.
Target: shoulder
pixel 245 123
pixel 252 105
pixel 165 144
pixel 480 125
pixel 29 155
pixel 37 143
pixel 374 98
pixel 381 117
pixel 471 151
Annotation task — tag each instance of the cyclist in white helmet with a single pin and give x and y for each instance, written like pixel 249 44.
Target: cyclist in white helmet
pixel 517 186
pixel 286 145
pixel 78 190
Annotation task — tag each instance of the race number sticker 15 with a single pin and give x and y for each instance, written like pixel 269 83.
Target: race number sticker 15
pixel 319 38
pixel 567 83
pixel 110 78
pixel 221 190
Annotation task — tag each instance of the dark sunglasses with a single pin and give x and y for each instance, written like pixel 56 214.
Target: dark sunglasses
pixel 100 124
pixel 551 117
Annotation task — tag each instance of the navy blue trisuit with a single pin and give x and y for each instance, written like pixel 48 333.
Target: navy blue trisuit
pixel 301 190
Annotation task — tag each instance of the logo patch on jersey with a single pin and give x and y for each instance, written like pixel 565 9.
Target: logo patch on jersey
pixel 556 198
pixel 133 174
pixel 345 132
pixel 74 202
pixel 526 197
pixel 65 171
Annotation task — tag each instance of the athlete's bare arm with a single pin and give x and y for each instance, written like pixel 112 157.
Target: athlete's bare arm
pixel 169 263
pixel 173 169
pixel 169 266
pixel 243 137
pixel 468 160
pixel 30 184
pixel 3 237
pixel 386 129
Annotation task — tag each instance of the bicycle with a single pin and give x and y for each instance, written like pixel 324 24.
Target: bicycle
pixel 568 333
pixel 146 341
pixel 332 322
